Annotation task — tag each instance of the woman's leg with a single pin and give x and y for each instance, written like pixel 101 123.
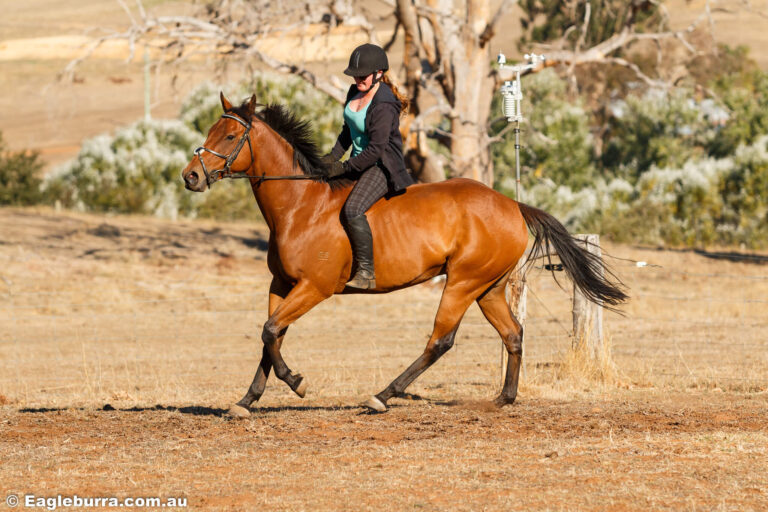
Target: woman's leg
pixel 371 187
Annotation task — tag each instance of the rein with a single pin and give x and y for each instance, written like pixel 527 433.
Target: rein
pixel 226 171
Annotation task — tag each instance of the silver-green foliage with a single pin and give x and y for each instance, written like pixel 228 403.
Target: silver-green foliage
pixel 202 107
pixel 662 176
pixel 137 170
pixel 658 128
pixel 19 176
pixel 558 143
pixel 703 201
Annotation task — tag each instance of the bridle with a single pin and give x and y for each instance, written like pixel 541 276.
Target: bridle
pixel 226 171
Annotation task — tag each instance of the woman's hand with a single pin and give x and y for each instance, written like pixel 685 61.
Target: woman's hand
pixel 337 169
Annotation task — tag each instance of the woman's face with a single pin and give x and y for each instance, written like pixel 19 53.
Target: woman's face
pixel 364 83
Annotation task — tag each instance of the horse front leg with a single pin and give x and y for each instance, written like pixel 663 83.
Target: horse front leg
pixel 303 297
pixel 256 389
pixel 278 290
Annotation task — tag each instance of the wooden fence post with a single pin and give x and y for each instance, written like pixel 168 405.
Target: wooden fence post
pixel 517 298
pixel 588 316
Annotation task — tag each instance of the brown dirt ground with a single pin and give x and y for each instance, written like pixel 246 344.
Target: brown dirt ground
pixel 160 320
pixel 638 452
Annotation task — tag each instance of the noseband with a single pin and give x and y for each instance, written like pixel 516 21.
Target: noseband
pixel 226 171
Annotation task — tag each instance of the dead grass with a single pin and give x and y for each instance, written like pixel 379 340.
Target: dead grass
pixel 56 117
pixel 578 365
pixel 140 311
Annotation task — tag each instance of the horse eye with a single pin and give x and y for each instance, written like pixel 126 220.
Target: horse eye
pixel 230 137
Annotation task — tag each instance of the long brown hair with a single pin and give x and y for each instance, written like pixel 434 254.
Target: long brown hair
pixel 405 103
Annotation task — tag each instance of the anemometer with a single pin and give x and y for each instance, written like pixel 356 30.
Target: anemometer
pixel 512 98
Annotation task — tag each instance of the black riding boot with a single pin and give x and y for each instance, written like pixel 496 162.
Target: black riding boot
pixel 362 248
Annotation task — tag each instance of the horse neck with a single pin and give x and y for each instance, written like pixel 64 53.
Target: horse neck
pixel 279 200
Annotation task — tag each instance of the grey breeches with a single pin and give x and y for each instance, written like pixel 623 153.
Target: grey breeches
pixel 371 187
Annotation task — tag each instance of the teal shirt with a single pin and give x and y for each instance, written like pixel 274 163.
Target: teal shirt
pixel 356 123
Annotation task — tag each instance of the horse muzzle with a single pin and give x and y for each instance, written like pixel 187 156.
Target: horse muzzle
pixel 194 182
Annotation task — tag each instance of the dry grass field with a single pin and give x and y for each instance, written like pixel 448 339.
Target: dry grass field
pixel 124 339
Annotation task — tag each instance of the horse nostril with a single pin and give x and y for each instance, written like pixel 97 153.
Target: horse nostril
pixel 192 178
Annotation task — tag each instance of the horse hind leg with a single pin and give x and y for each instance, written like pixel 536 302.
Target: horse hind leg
pixel 494 306
pixel 453 305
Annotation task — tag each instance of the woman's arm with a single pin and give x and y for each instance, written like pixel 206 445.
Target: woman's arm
pixel 342 143
pixel 378 137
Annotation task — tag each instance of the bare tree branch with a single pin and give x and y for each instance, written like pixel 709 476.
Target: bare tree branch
pixel 447 55
pixel 490 28
pixel 636 69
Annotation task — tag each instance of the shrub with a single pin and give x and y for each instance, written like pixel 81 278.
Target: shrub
pixel 203 107
pixel 135 171
pixel 558 144
pixel 676 168
pixel 138 169
pixel 704 201
pixel 20 182
pixel 746 96
pixel 657 129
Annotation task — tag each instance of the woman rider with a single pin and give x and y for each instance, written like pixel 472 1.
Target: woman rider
pixel 372 127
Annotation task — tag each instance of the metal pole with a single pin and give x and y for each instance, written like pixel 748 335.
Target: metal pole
pixel 517 161
pixel 515 113
pixel 517 138
pixel 147 96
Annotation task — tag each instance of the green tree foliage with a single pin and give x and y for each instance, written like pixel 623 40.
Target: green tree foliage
pixel 135 171
pixel 745 94
pixel 202 107
pixel 20 182
pixel 658 128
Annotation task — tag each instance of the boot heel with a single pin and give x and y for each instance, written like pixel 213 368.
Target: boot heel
pixel 362 283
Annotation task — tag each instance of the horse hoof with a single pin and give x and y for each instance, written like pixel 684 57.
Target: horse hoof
pixel 238 411
pixel 375 404
pixel 301 389
pixel 501 402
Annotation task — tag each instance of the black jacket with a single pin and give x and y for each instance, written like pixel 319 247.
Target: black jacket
pixel 385 146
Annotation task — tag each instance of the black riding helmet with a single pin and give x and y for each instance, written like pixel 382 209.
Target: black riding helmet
pixel 366 59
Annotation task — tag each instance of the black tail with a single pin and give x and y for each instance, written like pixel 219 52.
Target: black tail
pixel 584 268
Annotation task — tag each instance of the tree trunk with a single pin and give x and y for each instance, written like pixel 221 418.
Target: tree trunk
pixel 446 52
pixel 471 59
pixel 469 147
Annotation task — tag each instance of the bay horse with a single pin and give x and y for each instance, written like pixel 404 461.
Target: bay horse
pixel 458 227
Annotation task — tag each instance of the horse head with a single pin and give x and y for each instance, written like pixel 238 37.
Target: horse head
pixel 227 149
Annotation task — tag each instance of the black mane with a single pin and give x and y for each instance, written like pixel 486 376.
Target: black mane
pixel 298 133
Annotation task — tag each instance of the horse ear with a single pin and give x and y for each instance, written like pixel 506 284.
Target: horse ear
pixel 225 104
pixel 252 104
